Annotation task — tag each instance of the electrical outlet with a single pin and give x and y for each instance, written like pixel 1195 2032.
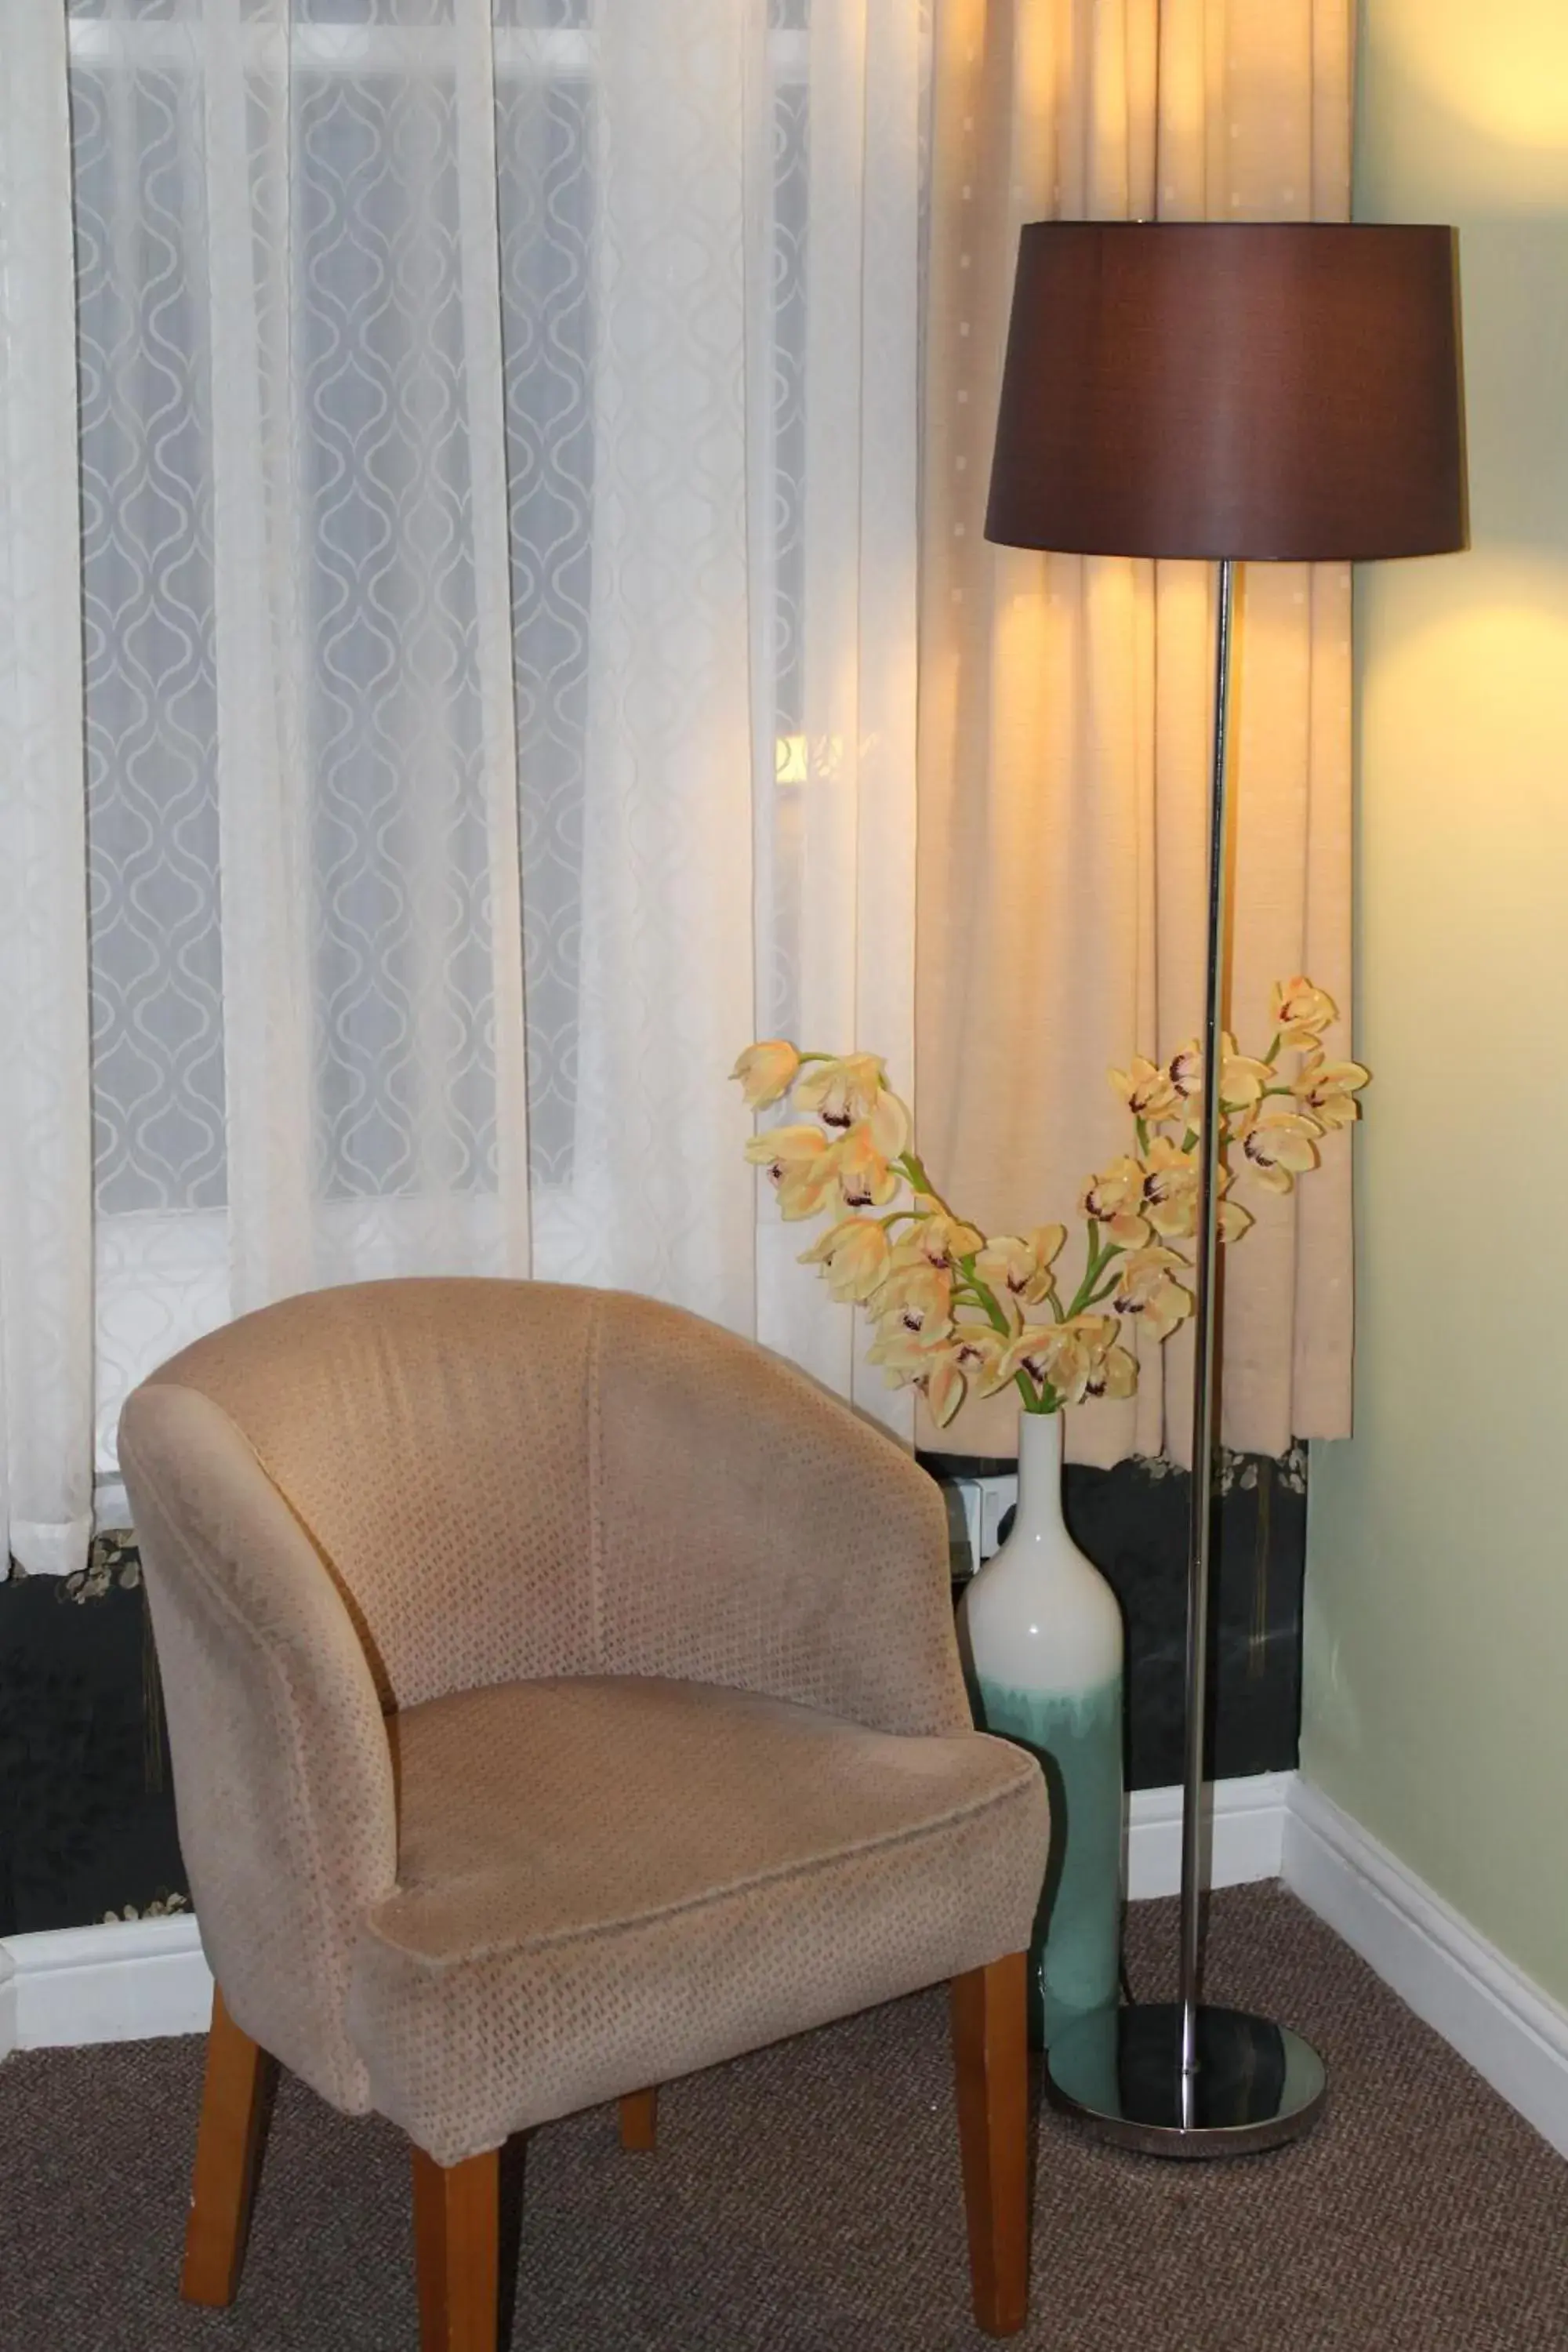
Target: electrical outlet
pixel 984 1503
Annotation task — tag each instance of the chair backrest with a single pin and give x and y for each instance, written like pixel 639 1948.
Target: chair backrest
pixel 432 1439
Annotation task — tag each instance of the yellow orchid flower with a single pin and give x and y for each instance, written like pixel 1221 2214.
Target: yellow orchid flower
pixel 1113 1375
pixel 1020 1264
pixel 853 1255
pixel 942 1240
pixel 944 1386
pixel 974 1349
pixel 805 1189
pixel 1115 1200
pixel 1241 1079
pixel 889 1123
pixel 1170 1187
pixel 906 1357
pixel 1032 1351
pixel 1171 1182
pixel 1148 1289
pixel 1279 1147
pixel 1077 1359
pixel 864 1179
pixel 919 1295
pixel 766 1071
pixel 778 1145
pixel 1147 1090
pixel 942 1369
pixel 1024 1354
pixel 802 1164
pixel 968 1355
pixel 842 1091
pixel 1087 1361
pixel 1299 1011
pixel 1327 1090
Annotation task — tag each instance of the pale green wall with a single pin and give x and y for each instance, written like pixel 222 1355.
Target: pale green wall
pixel 1436 1689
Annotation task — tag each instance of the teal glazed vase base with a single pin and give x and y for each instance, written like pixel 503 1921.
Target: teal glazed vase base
pixel 1075 1737
pixel 1042 1638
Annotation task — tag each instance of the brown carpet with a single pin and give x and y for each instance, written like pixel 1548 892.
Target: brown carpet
pixel 807 2199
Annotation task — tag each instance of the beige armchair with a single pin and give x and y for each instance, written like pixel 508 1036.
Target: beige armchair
pixel 563 1696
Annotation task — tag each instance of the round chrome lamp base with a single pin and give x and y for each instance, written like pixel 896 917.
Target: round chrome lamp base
pixel 1119 2073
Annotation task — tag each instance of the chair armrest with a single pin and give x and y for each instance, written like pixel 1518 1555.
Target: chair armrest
pixel 283 1769
pixel 750 1530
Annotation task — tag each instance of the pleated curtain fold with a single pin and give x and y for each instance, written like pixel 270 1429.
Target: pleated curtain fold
pixel 1066 702
pixel 45 1152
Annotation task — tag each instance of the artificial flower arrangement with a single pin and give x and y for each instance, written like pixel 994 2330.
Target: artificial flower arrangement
pixel 953 1306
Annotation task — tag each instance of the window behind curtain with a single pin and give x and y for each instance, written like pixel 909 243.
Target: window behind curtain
pixel 388 604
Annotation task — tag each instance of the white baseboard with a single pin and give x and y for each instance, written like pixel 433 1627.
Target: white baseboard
pixel 7 2003
pixel 140 1978
pixel 1510 2031
pixel 134 1978
pixel 125 1981
pixel 1247 1834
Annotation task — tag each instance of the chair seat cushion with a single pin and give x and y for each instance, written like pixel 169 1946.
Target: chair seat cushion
pixel 604 1882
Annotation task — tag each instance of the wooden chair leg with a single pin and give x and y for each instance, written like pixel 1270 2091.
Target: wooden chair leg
pixel 639 2121
pixel 457 2233
pixel 991 2058
pixel 234 2104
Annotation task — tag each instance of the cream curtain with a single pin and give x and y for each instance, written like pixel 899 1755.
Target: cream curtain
pixel 1065 701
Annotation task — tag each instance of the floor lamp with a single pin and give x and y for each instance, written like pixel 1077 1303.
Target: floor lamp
pixel 1233 393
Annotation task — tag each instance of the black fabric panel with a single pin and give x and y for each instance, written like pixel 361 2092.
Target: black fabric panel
pixel 87 1811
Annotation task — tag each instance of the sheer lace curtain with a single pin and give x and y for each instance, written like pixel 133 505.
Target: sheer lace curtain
pixel 495 592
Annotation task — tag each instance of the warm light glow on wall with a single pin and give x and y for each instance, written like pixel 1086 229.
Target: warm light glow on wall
pixel 1505 72
pixel 1477 682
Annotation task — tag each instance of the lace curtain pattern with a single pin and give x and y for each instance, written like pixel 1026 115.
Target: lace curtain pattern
pixel 497 559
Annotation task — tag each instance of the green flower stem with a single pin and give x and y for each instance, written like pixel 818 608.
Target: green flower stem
pixel 910 1165
pixel 1099 1259
pixel 985 1298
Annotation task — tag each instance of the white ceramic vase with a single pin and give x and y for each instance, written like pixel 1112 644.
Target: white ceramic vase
pixel 1041 1633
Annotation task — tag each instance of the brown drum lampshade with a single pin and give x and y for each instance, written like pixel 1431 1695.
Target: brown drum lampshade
pixel 1284 393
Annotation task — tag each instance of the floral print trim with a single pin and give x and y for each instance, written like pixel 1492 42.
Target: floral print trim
pixel 163 1906
pixel 1238 1471
pixel 113 1565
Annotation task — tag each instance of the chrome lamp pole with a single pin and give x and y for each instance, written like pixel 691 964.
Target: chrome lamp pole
pixel 1224 392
